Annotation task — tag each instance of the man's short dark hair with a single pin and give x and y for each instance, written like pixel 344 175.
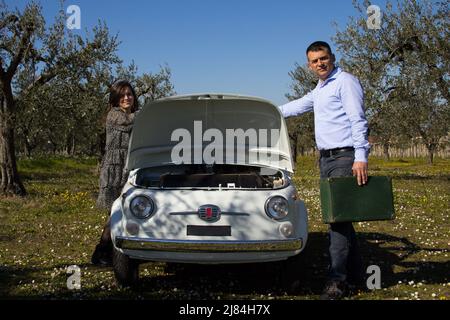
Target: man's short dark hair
pixel 317 46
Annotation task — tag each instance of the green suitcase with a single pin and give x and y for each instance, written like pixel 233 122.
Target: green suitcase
pixel 342 200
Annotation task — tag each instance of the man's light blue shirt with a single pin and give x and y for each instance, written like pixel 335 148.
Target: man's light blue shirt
pixel 339 118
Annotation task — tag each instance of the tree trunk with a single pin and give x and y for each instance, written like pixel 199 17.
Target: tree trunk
pixel 27 149
pixel 68 147
pixel 386 151
pixel 10 180
pixel 27 144
pixel 302 150
pixel 54 145
pixel 432 147
pixel 73 145
pixel 294 140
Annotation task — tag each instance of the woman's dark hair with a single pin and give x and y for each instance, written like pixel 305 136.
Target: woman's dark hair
pixel 319 45
pixel 116 92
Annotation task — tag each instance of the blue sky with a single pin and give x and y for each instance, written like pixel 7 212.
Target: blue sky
pixel 230 46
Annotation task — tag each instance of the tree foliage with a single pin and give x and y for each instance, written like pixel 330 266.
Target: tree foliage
pixel 301 128
pixel 404 69
pixel 54 87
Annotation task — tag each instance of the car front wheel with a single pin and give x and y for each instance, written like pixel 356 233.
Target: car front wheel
pixel 126 270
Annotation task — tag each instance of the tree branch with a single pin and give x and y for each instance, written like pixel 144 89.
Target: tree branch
pixel 24 46
pixel 42 79
pixel 9 19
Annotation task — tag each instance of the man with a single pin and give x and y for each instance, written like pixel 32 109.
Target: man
pixel 341 136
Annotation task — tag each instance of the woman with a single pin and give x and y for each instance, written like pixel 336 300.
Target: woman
pixel 123 103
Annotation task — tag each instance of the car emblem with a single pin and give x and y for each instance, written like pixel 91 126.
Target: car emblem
pixel 209 213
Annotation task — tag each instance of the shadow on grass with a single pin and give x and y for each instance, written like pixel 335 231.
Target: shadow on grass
pixel 55 175
pixel 419 177
pixel 54 168
pixel 408 175
pixel 386 251
pixel 12 277
pixel 256 280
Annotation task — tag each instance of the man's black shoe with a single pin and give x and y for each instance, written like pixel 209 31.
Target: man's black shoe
pixel 334 290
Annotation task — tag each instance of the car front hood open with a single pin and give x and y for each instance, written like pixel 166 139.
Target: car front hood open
pixel 164 128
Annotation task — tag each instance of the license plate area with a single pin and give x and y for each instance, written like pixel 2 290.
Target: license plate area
pixel 217 231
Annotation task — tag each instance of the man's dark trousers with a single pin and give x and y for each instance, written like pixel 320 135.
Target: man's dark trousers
pixel 346 263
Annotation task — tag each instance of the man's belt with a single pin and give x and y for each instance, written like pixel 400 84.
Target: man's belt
pixel 333 152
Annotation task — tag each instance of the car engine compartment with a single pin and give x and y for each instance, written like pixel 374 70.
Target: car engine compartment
pixel 214 176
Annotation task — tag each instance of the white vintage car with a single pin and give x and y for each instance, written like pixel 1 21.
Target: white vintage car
pixel 210 182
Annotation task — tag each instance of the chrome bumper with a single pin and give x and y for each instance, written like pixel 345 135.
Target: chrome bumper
pixel 208 246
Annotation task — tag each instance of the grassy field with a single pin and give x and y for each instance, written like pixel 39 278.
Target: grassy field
pixel 57 225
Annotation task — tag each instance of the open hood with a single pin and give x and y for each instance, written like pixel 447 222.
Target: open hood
pixel 210 128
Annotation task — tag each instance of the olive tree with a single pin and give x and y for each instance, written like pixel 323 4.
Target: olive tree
pixel 301 128
pixel 53 53
pixel 403 65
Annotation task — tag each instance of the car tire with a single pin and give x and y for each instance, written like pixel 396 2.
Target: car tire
pixel 126 270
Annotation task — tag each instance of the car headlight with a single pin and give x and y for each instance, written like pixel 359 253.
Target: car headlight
pixel 142 207
pixel 277 207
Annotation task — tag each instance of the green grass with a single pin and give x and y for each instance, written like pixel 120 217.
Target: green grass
pixel 57 225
